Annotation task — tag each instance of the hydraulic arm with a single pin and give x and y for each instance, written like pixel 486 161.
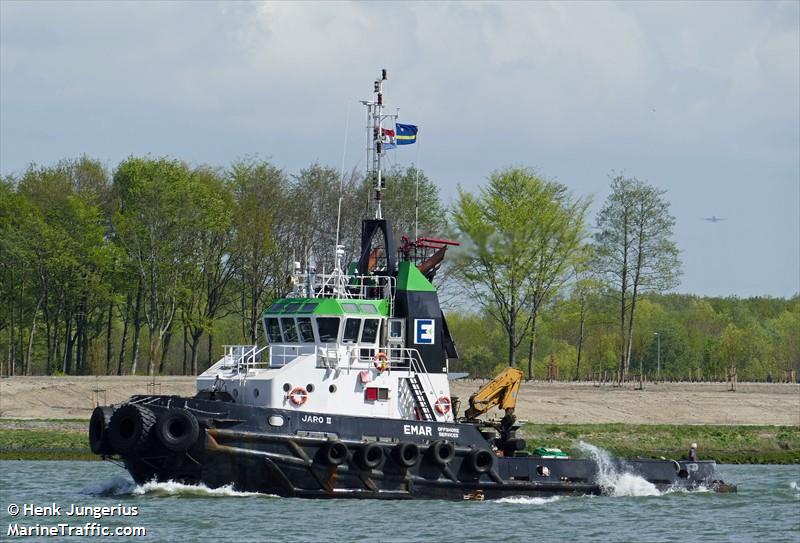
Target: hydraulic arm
pixel 500 391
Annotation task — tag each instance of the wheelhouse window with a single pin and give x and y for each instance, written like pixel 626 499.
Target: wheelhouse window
pixel 292 307
pixel 274 331
pixel 309 307
pixel 328 329
pixel 369 309
pixel 305 329
pixel 370 332
pixel 351 329
pixel 289 331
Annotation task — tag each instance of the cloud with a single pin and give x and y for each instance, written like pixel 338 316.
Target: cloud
pixel 701 98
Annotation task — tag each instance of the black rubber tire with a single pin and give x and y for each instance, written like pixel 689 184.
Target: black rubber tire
pixel 406 454
pixel 177 429
pixel 442 452
pixel 98 431
pixel 480 460
pixel 130 427
pixel 370 456
pixel 334 453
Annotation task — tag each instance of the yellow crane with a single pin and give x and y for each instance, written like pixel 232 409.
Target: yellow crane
pixel 501 391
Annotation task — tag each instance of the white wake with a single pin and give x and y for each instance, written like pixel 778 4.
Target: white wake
pixel 526 500
pixel 122 486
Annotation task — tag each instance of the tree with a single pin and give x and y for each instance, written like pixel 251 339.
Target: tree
pixel 213 263
pixel 153 225
pixel 634 252
pixel 521 236
pixel 262 234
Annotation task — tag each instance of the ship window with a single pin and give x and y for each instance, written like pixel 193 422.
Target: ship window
pixel 368 309
pixel 309 308
pixel 396 329
pixel 289 331
pixel 328 328
pixel 291 308
pixel 274 331
pixel 305 329
pixel 351 329
pixel 275 308
pixel 370 332
pixel 350 308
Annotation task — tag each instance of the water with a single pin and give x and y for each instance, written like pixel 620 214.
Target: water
pixel 767 508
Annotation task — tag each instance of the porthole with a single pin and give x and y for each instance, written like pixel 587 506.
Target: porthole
pixel 287 387
pixel 310 388
pixel 256 392
pixel 332 389
pixel 235 392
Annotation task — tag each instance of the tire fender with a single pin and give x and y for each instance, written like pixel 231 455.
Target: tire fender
pixel 177 429
pixel 442 452
pixel 406 454
pixel 370 456
pixel 130 428
pixel 98 431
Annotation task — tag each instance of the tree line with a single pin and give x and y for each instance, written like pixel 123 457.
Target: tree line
pixel 151 267
pixel 105 272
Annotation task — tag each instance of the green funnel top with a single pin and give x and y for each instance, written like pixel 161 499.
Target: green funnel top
pixel 409 278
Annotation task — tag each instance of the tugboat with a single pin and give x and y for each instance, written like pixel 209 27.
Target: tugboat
pixel 349 398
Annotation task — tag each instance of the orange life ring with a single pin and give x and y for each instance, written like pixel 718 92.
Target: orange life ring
pixel 298 396
pixel 442 405
pixel 381 362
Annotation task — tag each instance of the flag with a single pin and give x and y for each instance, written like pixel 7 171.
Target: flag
pixel 389 141
pixel 406 134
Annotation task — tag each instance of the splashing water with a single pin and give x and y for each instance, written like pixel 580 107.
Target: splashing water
pixel 613 481
pixel 119 486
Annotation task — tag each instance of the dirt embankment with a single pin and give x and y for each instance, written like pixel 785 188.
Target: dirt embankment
pixel 570 403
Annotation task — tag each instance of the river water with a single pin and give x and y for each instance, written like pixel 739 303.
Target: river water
pixel 766 508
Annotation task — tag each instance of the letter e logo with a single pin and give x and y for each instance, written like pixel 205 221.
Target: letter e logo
pixel 424 331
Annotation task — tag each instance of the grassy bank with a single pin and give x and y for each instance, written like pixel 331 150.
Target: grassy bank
pixel 726 444
pixel 67 440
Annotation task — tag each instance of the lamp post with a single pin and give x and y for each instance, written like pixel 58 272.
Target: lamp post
pixel 658 357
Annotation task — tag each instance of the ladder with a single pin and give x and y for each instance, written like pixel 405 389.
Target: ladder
pixel 419 395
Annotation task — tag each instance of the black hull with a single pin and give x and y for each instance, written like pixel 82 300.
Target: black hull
pixel 244 446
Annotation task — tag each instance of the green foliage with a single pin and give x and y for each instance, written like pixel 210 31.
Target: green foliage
pixel 513 260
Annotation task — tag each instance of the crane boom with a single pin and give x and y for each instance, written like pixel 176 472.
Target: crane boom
pixel 502 391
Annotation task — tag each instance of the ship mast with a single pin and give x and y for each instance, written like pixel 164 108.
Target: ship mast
pixel 375 139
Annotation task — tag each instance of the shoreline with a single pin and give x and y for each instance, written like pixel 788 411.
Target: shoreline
pixel 560 402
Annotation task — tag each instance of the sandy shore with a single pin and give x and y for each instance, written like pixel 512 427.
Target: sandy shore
pixel 669 403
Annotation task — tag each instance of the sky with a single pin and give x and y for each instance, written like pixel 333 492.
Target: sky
pixel 700 99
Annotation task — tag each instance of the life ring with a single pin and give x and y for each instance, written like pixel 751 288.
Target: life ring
pixel 381 362
pixel 442 405
pixel 298 396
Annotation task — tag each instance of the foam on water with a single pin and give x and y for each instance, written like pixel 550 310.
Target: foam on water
pixel 119 486
pixel 613 481
pixel 526 500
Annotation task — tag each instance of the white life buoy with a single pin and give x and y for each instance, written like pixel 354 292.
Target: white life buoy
pixel 298 396
pixel 442 405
